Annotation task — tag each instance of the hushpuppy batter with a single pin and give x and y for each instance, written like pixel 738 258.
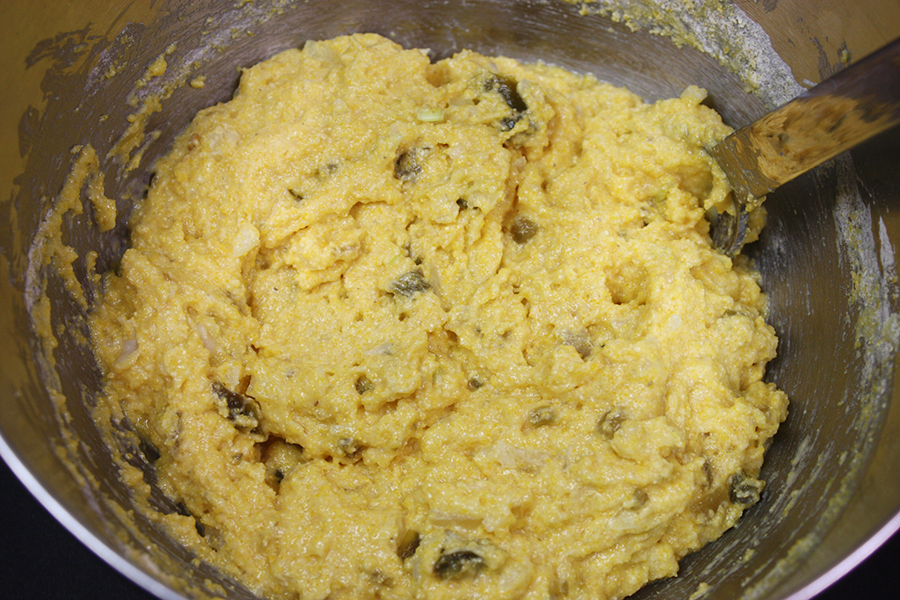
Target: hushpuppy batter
pixel 395 329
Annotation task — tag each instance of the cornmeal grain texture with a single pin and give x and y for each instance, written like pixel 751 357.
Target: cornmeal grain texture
pixel 395 329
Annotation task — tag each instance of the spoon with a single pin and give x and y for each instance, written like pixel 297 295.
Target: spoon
pixel 843 111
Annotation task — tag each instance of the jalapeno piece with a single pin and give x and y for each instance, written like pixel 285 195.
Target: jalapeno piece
pixel 409 284
pixel 744 490
pixel 522 229
pixel 458 564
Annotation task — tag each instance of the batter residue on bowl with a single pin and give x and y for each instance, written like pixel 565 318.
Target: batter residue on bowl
pixel 398 329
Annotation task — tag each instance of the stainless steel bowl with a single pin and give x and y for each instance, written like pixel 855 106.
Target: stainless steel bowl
pixel 828 258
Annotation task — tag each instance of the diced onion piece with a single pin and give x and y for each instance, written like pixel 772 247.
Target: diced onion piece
pixel 430 115
pixel 127 348
pixel 247 239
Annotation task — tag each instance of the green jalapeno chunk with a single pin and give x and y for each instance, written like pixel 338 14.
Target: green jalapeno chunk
pixel 458 564
pixel 744 490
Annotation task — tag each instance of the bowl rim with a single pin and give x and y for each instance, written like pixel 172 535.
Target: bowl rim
pixel 59 511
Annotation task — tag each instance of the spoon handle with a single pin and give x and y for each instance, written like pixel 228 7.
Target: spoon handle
pixel 852 106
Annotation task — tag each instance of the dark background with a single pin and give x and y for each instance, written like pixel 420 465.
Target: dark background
pixel 40 560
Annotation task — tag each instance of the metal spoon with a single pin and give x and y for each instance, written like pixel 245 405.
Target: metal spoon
pixel 850 107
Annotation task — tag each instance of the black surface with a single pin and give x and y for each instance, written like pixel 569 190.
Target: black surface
pixel 40 560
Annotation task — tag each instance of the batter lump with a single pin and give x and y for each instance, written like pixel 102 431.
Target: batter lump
pixel 392 329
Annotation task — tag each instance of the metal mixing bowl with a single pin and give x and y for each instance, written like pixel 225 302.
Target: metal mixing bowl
pixel 828 258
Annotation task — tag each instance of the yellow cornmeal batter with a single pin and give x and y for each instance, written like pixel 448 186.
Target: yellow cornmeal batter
pixel 394 329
